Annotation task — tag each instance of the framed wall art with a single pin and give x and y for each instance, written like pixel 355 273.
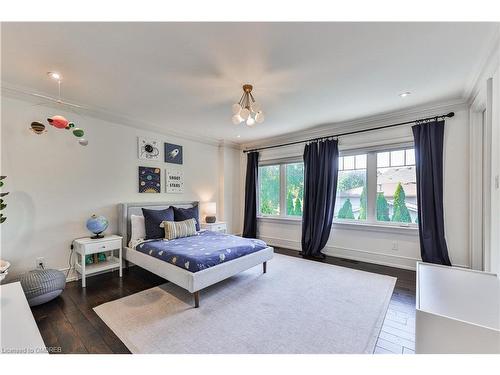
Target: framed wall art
pixel 149 180
pixel 173 153
pixel 175 181
pixel 148 149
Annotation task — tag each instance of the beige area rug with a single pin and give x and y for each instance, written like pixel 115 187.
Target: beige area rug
pixel 298 306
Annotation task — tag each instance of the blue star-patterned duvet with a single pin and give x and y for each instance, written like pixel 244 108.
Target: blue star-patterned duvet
pixel 206 249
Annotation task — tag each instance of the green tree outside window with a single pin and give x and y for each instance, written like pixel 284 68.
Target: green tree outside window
pixel 401 213
pixel 346 211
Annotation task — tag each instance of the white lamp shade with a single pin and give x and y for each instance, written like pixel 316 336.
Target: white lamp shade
pixel 255 107
pixel 210 208
pixel 250 121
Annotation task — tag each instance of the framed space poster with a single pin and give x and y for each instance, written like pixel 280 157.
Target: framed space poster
pixel 173 153
pixel 175 181
pixel 149 180
pixel 148 149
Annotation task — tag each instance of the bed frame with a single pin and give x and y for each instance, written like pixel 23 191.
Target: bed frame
pixel 193 282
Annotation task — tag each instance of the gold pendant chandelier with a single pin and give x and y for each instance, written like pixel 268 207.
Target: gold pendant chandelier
pixel 247 109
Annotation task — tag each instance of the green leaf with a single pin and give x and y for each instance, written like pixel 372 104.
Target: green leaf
pixel 2 206
pixel 2 219
pixel 4 194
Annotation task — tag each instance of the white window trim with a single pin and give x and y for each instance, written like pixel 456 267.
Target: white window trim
pixel 371 182
pixel 282 216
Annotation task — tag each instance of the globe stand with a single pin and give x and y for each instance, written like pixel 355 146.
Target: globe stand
pixel 97 236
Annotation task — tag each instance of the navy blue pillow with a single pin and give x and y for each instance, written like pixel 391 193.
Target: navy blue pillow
pixel 153 219
pixel 181 214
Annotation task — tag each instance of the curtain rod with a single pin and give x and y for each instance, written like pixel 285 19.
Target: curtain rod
pixel 450 114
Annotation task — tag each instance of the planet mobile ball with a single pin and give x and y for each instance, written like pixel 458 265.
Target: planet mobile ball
pixel 70 125
pixel 83 142
pixel 37 127
pixel 77 132
pixel 59 122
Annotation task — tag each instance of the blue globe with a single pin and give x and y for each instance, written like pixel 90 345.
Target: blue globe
pixel 97 225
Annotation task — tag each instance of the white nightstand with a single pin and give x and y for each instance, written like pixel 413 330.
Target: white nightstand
pixel 108 244
pixel 218 226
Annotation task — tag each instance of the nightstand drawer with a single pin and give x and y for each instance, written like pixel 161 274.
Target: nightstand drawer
pixel 101 246
pixel 218 227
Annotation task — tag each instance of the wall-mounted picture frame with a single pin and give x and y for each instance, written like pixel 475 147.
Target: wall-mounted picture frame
pixel 148 148
pixel 175 181
pixel 149 180
pixel 173 153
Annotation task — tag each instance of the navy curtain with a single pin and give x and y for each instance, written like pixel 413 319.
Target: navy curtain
pixel 429 137
pixel 250 217
pixel 320 189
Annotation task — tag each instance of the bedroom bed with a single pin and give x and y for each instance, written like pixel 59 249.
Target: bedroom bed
pixel 193 263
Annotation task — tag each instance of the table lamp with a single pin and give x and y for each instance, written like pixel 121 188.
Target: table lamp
pixel 210 210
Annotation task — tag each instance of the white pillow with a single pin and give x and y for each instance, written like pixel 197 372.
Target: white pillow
pixel 137 228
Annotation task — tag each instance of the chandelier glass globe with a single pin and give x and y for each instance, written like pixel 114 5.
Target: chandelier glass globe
pixel 236 108
pixel 236 119
pixel 259 117
pixel 244 113
pixel 250 121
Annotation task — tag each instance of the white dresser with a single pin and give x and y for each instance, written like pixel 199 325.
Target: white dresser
pixel 19 333
pixel 458 311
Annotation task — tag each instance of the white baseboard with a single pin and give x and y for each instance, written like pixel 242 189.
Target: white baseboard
pixel 384 259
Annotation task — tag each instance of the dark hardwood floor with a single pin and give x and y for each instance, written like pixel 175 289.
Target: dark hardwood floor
pixel 69 324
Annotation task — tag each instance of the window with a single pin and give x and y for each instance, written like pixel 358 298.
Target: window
pixel 377 187
pixel 294 188
pixel 269 190
pixel 351 202
pixel 396 186
pixel 274 179
pixel 374 187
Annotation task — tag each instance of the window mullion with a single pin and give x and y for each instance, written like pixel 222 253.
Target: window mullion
pixel 371 196
pixel 283 190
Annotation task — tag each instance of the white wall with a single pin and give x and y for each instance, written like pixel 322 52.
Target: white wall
pixel 56 184
pixel 374 246
pixel 230 188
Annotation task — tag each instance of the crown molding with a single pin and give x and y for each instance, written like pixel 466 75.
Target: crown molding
pixel 485 69
pixel 364 123
pixel 29 95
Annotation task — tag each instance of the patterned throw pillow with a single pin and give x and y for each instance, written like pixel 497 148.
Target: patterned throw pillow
pixel 179 229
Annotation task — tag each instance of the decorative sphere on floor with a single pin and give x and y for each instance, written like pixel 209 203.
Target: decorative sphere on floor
pixel 41 286
pixel 97 225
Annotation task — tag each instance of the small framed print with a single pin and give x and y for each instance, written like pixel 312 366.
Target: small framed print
pixel 175 181
pixel 149 180
pixel 173 153
pixel 148 149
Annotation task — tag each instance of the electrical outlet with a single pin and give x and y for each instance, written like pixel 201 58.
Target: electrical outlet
pixel 40 262
pixel 394 245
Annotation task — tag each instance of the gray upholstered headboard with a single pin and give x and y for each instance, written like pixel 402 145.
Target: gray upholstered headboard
pixel 127 209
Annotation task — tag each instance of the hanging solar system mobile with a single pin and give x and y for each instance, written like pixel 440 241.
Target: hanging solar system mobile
pixel 58 121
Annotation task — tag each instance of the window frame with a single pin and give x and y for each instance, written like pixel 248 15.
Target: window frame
pixel 283 208
pixel 371 188
pixel 371 223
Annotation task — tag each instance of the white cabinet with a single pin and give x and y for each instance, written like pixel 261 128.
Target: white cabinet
pixel 458 310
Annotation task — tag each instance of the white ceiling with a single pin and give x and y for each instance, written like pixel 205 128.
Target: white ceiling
pixel 183 77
